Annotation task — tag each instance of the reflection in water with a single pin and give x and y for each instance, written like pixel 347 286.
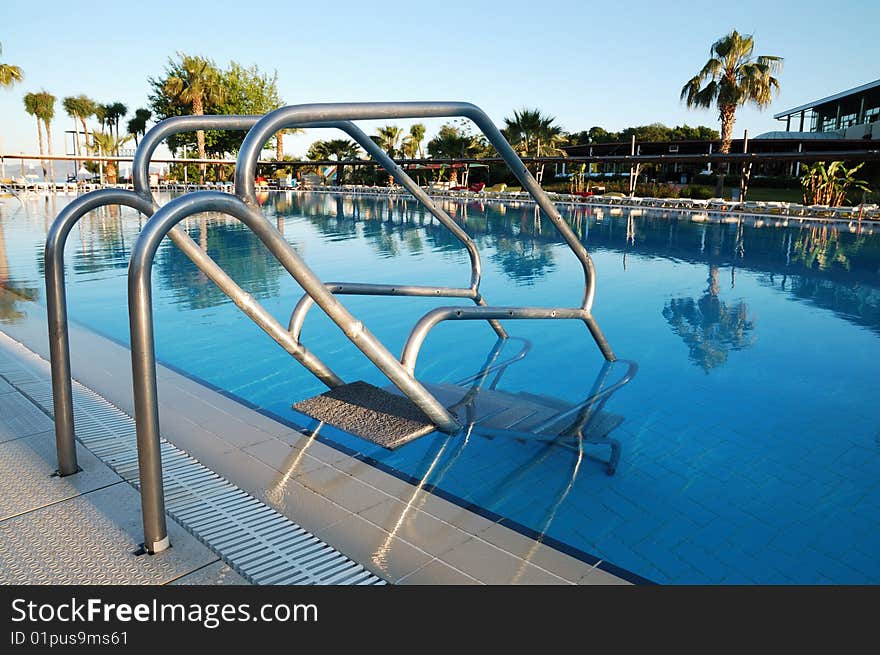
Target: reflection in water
pixel 709 326
pixel 12 292
pixel 236 249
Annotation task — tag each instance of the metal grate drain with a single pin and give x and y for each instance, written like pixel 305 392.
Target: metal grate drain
pixel 261 544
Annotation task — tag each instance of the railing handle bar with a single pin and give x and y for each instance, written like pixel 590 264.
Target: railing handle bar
pixel 143 354
pixel 373 149
pixel 142 201
pixel 425 324
pixel 298 315
pixel 303 114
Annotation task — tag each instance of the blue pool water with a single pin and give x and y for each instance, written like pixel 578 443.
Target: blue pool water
pixel 750 435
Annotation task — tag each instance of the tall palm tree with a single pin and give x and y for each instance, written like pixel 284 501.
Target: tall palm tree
pixel 46 104
pixel 198 85
pixel 279 141
pixel 9 73
pixel 99 111
pixel 533 134
pixel 115 112
pixel 388 138
pixel 31 106
pixel 138 124
pixel 42 107
pixel 731 78
pixel 336 149
pixel 105 143
pixel 78 108
pixel 412 142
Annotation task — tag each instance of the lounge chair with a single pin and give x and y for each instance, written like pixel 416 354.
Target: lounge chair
pixel 495 190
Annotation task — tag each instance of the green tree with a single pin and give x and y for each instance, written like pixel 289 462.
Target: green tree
pixel 709 326
pixel 246 90
pixel 533 134
pixel 335 149
pixel 388 138
pixel 412 142
pixel 688 133
pixel 42 107
pixel 138 125
pixel 195 82
pixel 99 111
pixel 9 73
pixel 831 184
pixel 78 108
pixel 453 142
pixel 115 111
pixel 105 143
pixel 732 77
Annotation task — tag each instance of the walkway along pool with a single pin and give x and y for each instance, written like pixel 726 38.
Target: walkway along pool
pixel 749 438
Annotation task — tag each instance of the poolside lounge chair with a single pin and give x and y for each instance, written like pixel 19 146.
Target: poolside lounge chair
pixel 495 190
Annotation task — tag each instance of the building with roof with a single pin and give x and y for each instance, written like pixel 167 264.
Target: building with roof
pixel 852 114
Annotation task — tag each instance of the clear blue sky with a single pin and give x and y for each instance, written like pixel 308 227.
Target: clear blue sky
pixel 612 64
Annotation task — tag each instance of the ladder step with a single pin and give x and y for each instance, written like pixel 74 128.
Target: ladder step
pixel 387 419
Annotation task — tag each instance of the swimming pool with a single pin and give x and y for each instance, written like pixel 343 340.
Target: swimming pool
pixel 750 443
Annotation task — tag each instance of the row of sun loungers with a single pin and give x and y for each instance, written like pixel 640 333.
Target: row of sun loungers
pixel 503 193
pixel 858 212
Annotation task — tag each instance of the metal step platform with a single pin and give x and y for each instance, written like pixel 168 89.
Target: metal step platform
pixel 383 417
pixel 389 419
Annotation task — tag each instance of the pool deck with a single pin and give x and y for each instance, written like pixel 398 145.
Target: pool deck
pixel 396 530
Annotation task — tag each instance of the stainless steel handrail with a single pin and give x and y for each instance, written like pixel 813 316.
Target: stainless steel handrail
pixel 296 115
pixel 142 200
pixel 245 207
pixel 472 292
pixel 143 345
pixel 436 316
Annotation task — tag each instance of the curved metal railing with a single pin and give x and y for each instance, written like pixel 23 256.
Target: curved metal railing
pixel 142 200
pixel 244 207
pixel 143 345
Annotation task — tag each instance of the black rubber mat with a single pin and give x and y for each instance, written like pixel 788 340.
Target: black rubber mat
pixel 380 416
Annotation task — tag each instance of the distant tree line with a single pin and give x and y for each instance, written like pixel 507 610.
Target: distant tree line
pixel 652 132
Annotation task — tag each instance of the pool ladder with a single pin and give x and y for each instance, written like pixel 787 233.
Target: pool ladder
pixel 243 205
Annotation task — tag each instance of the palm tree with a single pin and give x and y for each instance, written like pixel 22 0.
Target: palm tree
pixel 78 107
pixel 279 141
pixel 452 142
pixel 533 134
pixel 412 143
pixel 198 85
pixel 46 104
pixel 42 107
pixel 731 78
pixel 388 138
pixel 138 124
pixel 105 144
pixel 336 149
pixel 99 111
pixel 9 73
pixel 115 111
pixel 32 108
